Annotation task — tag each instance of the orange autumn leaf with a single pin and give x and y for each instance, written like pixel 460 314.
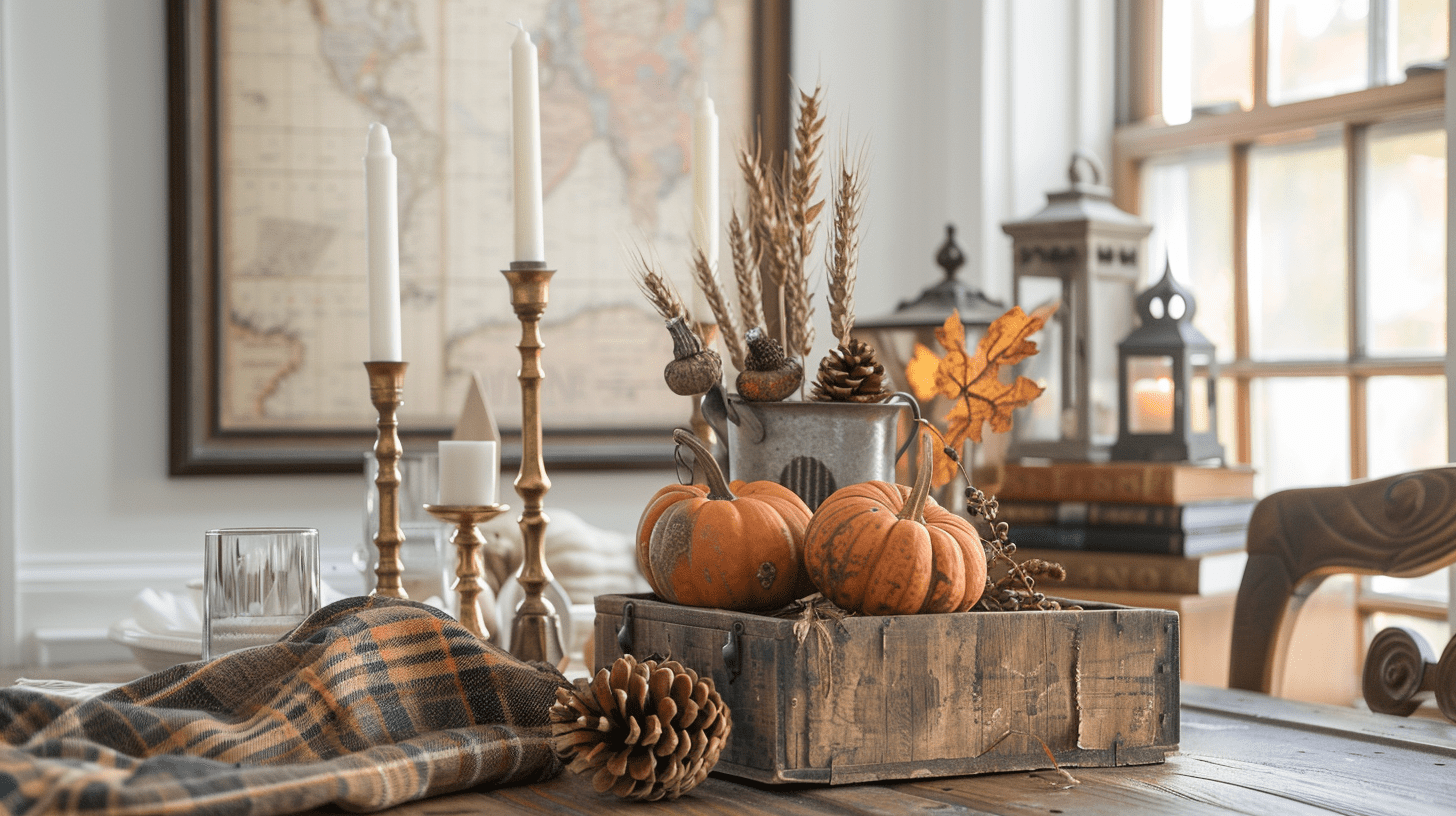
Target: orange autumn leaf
pixel 974 382
pixel 921 373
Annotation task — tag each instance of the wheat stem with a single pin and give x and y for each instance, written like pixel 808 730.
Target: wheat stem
pixel 708 282
pixel 842 255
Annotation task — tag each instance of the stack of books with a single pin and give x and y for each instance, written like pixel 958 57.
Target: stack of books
pixel 1144 526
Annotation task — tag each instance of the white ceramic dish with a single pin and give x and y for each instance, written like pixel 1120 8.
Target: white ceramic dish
pixel 155 652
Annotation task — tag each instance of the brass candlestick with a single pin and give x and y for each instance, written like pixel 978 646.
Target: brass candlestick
pixel 701 429
pixel 468 541
pixel 536 629
pixel 386 386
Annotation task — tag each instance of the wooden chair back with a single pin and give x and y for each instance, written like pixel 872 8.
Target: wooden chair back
pixel 1403 526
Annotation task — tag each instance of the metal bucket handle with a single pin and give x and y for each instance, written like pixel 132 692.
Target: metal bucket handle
pixel 909 399
pixel 719 411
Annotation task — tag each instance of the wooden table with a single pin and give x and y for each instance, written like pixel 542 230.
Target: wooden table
pixel 1240 753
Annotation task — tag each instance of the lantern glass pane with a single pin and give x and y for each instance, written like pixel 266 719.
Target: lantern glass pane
pixel 1422 33
pixel 1298 285
pixel 1317 48
pixel 1405 208
pixel 1189 199
pixel 1042 422
pixel 1150 395
pixel 1300 432
pixel 1113 319
pixel 1198 413
pixel 1228 419
pixel 1208 57
pixel 1406 423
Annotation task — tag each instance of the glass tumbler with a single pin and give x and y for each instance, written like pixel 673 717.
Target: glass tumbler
pixel 260 584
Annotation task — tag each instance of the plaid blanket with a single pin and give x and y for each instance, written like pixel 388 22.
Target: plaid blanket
pixel 369 703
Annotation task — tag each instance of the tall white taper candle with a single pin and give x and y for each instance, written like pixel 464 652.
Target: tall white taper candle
pixel 526 149
pixel 705 193
pixel 381 191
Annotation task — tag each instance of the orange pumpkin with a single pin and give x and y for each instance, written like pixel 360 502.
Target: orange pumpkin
pixel 885 549
pixel 737 546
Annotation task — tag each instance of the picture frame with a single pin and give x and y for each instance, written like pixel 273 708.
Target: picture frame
pixel 205 436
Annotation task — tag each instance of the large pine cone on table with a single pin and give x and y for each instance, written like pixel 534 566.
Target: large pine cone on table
pixel 648 730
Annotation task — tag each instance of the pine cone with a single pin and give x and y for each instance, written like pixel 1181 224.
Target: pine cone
pixel 850 373
pixel 769 375
pixel 649 731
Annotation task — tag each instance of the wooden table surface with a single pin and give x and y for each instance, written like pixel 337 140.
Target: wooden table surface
pixel 1240 753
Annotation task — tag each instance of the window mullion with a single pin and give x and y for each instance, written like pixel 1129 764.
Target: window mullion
pixel 1358 281
pixel 1261 54
pixel 1239 166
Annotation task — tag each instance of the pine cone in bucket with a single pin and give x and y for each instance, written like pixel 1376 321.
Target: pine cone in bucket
pixel 851 373
pixel 648 730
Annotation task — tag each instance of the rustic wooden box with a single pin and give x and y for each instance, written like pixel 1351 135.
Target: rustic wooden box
pixel 908 696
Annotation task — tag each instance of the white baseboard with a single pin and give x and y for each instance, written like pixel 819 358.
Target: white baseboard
pixel 68 602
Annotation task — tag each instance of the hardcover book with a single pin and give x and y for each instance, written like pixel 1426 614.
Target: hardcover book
pixel 1129 539
pixel 1189 517
pixel 1211 574
pixel 1136 482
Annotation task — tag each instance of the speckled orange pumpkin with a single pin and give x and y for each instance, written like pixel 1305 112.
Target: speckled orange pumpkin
pixel 737 546
pixel 886 549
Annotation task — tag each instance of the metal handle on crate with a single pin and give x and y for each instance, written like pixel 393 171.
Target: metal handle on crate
pixel 624 634
pixel 732 655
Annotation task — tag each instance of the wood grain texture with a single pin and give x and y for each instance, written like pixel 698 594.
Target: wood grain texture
pixel 1403 525
pixel 897 697
pixel 1241 753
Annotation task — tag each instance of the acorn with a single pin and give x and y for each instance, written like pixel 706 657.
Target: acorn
pixel 694 369
pixel 769 375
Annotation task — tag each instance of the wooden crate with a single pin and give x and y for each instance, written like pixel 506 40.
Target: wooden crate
pixel 899 697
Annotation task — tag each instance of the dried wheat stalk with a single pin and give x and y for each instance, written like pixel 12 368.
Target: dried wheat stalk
pixel 804 176
pixel 658 290
pixel 763 211
pixel 801 183
pixel 745 272
pixel 842 254
pixel 708 282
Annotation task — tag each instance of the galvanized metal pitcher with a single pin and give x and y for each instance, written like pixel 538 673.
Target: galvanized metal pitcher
pixel 812 448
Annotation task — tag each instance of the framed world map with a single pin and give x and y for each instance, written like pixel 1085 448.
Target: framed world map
pixel 270 101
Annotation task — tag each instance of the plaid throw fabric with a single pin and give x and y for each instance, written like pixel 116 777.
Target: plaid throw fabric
pixel 371 702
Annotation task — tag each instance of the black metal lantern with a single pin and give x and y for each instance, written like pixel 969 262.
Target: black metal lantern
pixel 914 321
pixel 1167 380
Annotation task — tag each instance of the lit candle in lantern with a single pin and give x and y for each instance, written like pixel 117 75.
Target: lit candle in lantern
pixel 1152 407
pixel 381 190
pixel 526 148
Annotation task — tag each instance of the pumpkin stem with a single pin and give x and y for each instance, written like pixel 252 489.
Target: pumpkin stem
pixel 914 508
pixel 717 484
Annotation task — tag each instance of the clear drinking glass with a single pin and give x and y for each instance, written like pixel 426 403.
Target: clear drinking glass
pixel 429 569
pixel 261 582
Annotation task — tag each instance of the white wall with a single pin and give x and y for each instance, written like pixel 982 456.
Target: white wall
pixel 971 110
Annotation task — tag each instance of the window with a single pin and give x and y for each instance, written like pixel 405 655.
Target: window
pixel 1291 155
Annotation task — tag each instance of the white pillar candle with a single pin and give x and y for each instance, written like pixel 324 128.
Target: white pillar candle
pixel 468 472
pixel 526 149
pixel 381 191
pixel 705 193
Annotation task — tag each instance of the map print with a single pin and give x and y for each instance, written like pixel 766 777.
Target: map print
pixel 301 80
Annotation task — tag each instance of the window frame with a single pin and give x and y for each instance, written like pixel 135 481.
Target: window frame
pixel 1141 135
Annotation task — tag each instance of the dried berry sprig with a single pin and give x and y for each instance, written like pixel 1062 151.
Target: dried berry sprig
pixel 1015 591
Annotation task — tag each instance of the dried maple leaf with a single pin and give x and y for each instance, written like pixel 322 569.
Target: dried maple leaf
pixel 974 383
